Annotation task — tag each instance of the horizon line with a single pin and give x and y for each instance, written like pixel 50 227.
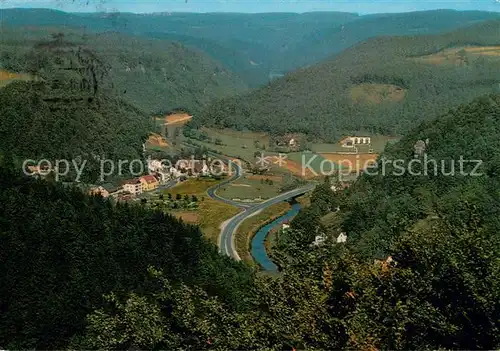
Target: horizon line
pixel 241 13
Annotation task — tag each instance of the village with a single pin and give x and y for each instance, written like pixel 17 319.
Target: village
pixel 159 176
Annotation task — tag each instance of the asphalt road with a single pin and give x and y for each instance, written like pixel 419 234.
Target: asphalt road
pixel 212 192
pixel 226 238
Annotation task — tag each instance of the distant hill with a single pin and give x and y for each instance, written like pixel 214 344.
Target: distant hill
pixel 384 85
pixel 154 75
pixel 321 44
pixel 255 45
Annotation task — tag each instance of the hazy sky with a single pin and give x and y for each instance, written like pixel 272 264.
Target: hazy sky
pixel 139 6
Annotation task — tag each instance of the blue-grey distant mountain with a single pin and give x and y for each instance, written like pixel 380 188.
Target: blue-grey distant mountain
pixel 256 45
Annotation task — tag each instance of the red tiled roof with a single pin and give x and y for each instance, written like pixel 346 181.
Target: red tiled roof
pixel 149 179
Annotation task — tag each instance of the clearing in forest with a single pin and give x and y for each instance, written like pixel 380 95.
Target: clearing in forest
pixel 376 93
pixel 7 77
pixel 460 56
pixel 155 141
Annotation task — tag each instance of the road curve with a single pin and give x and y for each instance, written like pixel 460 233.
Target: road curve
pixel 226 237
pixel 212 192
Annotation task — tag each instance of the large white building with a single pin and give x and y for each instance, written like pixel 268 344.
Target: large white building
pixel 133 187
pixel 353 141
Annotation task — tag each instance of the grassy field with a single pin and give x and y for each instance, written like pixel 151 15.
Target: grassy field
pixel 210 213
pixel 251 187
pixel 249 227
pixel 460 56
pixel 193 187
pixel 234 143
pixel 376 93
pixel 301 159
pixel 351 162
pixel 378 143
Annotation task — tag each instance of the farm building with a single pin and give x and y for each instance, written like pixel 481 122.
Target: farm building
pixel 353 141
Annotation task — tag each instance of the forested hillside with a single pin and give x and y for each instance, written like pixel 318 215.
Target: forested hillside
pixel 385 85
pixel 153 75
pixel 379 209
pixel 420 267
pixel 61 251
pixel 66 110
pixel 255 46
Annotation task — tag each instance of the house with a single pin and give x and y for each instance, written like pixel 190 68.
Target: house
pixel 193 168
pixel 342 238
pixel 285 226
pixel 319 240
pixel 162 175
pixel 339 186
pixel 149 182
pixel 98 190
pixel 133 187
pixel 183 165
pixel 174 172
pixel 112 189
pixel 352 141
pixel 155 165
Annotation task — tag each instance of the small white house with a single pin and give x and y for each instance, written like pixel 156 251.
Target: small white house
pixel 176 173
pixel 319 240
pixel 285 226
pixel 155 165
pixel 342 238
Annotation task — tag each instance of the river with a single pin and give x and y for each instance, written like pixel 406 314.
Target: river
pixel 259 252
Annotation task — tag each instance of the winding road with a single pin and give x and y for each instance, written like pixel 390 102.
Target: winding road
pixel 226 237
pixel 212 192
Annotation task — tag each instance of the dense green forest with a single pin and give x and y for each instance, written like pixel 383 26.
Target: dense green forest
pixel 147 281
pixel 320 100
pixel 153 75
pixel 61 251
pixel 255 46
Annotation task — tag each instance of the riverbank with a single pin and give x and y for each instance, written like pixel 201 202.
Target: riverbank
pixel 258 249
pixel 250 226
